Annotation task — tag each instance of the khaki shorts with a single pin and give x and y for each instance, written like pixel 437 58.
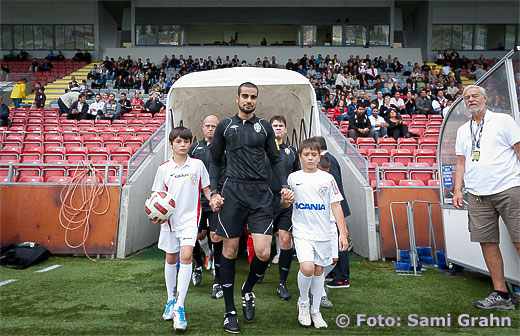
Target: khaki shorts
pixel 483 215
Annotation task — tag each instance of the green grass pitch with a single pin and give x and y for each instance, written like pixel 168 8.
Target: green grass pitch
pixel 127 297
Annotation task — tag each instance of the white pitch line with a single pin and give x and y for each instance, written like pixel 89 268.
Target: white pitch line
pixel 46 269
pixel 7 282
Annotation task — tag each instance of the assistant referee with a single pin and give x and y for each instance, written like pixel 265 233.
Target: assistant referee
pixel 245 196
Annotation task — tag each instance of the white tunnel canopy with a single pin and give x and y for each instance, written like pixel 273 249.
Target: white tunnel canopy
pixel 283 92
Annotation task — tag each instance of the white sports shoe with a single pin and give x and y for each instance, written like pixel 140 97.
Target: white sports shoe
pixel 319 322
pixel 304 316
pixel 168 311
pixel 275 259
pixel 179 319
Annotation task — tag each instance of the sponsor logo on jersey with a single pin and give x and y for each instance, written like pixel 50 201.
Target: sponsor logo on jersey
pixel 287 151
pixel 233 126
pixel 257 127
pixel 322 190
pixel 179 175
pixel 193 178
pixel 309 206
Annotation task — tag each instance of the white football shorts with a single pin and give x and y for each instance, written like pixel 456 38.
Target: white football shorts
pixel 171 241
pixel 318 252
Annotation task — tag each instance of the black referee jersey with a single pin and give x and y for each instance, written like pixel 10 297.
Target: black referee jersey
pixel 291 163
pixel 246 143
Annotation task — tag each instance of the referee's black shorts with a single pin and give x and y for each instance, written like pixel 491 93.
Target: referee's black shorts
pixel 282 217
pixel 245 202
pixel 208 220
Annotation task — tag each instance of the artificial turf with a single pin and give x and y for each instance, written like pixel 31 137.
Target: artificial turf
pixel 127 297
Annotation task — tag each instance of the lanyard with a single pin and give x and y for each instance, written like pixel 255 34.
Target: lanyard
pixel 475 143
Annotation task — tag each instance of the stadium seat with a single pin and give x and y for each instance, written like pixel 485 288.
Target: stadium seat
pixel 10 153
pixel 31 179
pixel 435 117
pixel 67 122
pixel 102 123
pixel 151 123
pixel 386 143
pixel 127 131
pixel 134 123
pixel 52 140
pixel 91 140
pixel 96 154
pixel 428 143
pixel 425 155
pixel 115 179
pixel 54 153
pixel 4 169
pixel 113 142
pixel 32 140
pixel 407 143
pixel 76 154
pixel 25 171
pixel 13 140
pixel 433 183
pixel 85 122
pixel 394 175
pixel 71 140
pixel 58 179
pixel 366 143
pixel 88 129
pixel 145 116
pixel 423 175
pixel 121 154
pixel 419 117
pixel 411 183
pixel 108 131
pixel 119 123
pixel 99 165
pixel 363 153
pixel 32 153
pixel 134 142
pixel 145 131
pixel 378 156
pixel 371 171
pixel 401 155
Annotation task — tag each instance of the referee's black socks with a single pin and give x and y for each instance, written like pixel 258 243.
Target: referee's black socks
pixel 217 256
pixel 227 278
pixel 256 271
pixel 284 263
pixel 197 256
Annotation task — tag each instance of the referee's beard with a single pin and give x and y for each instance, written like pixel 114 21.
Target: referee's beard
pixel 246 111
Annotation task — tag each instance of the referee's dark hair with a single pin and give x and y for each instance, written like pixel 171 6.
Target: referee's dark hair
pixel 280 118
pixel 321 140
pixel 181 132
pixel 311 144
pixel 324 162
pixel 247 85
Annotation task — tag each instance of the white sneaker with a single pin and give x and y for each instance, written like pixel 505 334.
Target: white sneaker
pixel 275 259
pixel 319 322
pixel 179 319
pixel 168 311
pixel 304 316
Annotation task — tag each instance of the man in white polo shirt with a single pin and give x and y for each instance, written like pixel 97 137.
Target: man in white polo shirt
pixel 488 165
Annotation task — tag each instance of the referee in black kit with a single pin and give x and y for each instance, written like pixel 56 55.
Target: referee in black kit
pixel 245 196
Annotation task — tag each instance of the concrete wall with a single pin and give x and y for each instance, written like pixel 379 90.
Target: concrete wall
pixel 250 54
pixel 107 30
pixel 362 222
pixel 416 29
pixel 135 231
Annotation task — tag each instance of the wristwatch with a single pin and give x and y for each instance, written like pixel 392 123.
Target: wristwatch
pixel 286 186
pixel 213 192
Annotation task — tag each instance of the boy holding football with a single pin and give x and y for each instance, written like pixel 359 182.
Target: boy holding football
pixel 316 195
pixel 183 178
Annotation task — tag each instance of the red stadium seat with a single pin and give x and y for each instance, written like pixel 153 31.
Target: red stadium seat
pixel 113 142
pixel 407 143
pixel 11 153
pixel 58 179
pixel 411 183
pixel 378 156
pixel 134 142
pixel 71 140
pixel 32 153
pixel 97 154
pixel 112 171
pixel 13 140
pixel 52 140
pixel 386 143
pixel 32 140
pixel 53 154
pixel 401 155
pixel 371 171
pixel 115 179
pixel 425 155
pixel 121 154
pixel 76 154
pixel 29 170
pixel 423 175
pixel 102 123
pixel 419 117
pixel 433 183
pixel 394 175
pixel 366 143
pixel 428 143
pixel 145 116
pixel 86 122
pixel 92 141
pixel 119 123
pixel 31 179
pixel 435 117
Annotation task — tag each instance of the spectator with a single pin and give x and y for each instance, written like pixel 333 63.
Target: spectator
pixel 142 86
pixel 385 108
pixel 408 68
pixel 396 66
pixel 378 123
pixel 452 90
pixel 136 102
pixel 126 105
pixel 78 57
pixel 330 103
pixel 18 92
pixel 66 100
pixel 446 69
pixel 105 98
pixel 263 42
pixel 46 65
pixel 363 101
pixel 112 109
pixel 378 85
pixel 439 59
pixel 96 108
pixel 100 83
pixel 359 125
pixel 396 128
pixel 119 83
pixel 379 100
pixel 4 114
pixel 232 41
pixel 39 98
pixel 129 82
pixel 153 105
pixel 60 56
pixel 340 109
pixel 397 103
pixel 87 57
pixel 409 103
pixel 351 108
pixel 447 108
pixel 423 105
pixel 386 90
pixel 22 55
pixel 479 72
pixel 10 56
pixel 78 109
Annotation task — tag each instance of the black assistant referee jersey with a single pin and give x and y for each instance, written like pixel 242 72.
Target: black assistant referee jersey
pixel 246 143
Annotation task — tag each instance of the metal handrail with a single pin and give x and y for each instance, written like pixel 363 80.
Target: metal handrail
pixel 397 168
pixel 347 146
pixel 148 144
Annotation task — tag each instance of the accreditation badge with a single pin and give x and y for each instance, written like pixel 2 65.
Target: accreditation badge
pixel 475 156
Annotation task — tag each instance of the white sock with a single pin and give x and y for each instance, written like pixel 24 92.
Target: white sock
pixel 304 283
pixel 205 246
pixel 183 283
pixel 277 245
pixel 170 276
pixel 316 289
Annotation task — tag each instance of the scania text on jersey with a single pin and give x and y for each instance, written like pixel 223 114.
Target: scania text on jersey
pixel 307 206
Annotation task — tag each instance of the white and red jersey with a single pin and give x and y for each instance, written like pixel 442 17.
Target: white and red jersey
pixel 184 184
pixel 313 195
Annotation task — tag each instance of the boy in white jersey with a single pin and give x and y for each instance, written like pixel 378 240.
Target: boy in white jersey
pixel 315 196
pixel 183 178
